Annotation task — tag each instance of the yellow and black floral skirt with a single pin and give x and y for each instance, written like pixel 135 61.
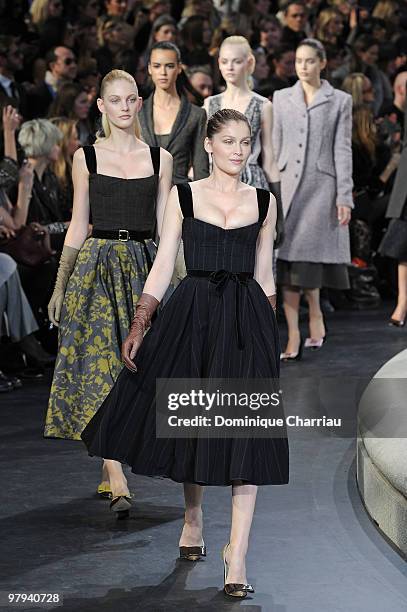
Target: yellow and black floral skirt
pixel 99 303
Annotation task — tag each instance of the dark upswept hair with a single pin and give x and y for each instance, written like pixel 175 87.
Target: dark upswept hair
pixel 165 45
pixel 221 118
pixel 316 45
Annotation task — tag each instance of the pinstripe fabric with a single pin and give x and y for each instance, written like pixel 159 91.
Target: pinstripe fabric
pixel 194 336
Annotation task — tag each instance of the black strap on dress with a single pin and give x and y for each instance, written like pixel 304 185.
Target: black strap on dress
pixel 185 200
pixel 263 201
pixel 90 158
pixel 155 158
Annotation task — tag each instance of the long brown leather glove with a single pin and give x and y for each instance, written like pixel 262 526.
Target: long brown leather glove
pixel 145 308
pixel 273 301
pixel 66 265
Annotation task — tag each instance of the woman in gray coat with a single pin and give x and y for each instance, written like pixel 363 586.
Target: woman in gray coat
pixel 312 142
pixel 394 243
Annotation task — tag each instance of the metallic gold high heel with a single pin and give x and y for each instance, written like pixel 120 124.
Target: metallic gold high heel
pixel 192 553
pixel 233 589
pixel 121 504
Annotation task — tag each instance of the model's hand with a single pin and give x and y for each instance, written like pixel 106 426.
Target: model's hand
pixel 344 215
pixel 130 347
pixel 55 306
pixel 145 308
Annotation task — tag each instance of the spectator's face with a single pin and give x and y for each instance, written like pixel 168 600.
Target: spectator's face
pixel 116 8
pixel 335 26
pixel 55 8
pixel 81 106
pixel 262 7
pixel 164 68
pixel 121 35
pixel 234 63
pixel 65 67
pixel 166 33
pixel 230 147
pixel 270 35
pixel 285 66
pixel 90 84
pixel 90 36
pixel 121 103
pixel 202 83
pixel 379 33
pixel 91 9
pixel 337 60
pixel 54 153
pixel 296 17
pixel 367 91
pixel 73 143
pixel 14 59
pixel 344 7
pixel 160 8
pixel 307 64
pixel 371 55
pixel 262 69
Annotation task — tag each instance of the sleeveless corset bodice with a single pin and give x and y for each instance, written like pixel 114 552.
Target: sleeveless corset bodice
pixel 210 247
pixel 118 203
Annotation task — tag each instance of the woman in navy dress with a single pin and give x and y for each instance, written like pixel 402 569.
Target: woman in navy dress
pixel 218 323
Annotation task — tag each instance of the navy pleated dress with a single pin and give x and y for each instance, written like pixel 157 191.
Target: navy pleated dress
pixel 218 323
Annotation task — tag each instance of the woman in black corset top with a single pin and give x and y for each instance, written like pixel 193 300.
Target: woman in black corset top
pixel 218 323
pixel 124 184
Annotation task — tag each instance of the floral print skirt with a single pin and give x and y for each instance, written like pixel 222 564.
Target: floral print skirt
pixel 98 308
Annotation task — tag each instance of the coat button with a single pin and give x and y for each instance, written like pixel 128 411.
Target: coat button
pixel 300 145
pixel 298 161
pixel 301 130
pixel 296 175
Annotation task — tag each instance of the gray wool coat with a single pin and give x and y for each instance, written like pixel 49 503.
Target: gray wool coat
pixel 398 196
pixel 313 148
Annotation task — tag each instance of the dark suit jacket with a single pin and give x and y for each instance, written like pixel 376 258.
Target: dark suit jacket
pixel 19 101
pixel 186 139
pixel 398 196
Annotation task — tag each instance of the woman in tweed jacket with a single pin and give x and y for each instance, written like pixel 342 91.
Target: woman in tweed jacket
pixel 312 141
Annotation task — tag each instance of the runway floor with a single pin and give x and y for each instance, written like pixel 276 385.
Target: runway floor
pixel 313 547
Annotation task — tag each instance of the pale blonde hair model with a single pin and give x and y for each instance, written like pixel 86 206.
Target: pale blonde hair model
pixel 115 75
pixel 243 42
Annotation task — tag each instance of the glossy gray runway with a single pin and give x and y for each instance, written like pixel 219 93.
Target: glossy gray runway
pixel 313 548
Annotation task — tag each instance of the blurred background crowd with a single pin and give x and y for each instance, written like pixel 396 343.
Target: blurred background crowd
pixel 53 55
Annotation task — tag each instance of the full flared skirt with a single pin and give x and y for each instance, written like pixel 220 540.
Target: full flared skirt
pixel 99 303
pixel 195 336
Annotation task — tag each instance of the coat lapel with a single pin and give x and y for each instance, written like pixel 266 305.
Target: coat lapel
pixel 180 120
pixel 322 96
pixel 149 122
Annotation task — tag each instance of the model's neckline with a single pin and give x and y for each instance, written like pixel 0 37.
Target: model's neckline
pixel 122 178
pixel 225 229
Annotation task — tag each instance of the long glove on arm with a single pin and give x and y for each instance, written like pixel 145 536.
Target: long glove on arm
pixel 145 308
pixel 66 265
pixel 275 189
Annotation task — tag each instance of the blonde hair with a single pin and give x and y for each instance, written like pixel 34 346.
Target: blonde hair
pixel 63 166
pixel 353 84
pixel 323 20
pixel 115 75
pixel 39 11
pixel 243 42
pixel 38 136
pixel 385 9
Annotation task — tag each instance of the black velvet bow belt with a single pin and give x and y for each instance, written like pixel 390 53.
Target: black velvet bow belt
pixel 221 278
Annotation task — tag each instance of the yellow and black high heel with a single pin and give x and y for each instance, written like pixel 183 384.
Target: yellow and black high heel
pixel 233 589
pixel 104 490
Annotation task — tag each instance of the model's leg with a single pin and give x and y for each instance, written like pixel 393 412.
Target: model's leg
pixel 192 531
pixel 291 303
pixel 400 311
pixel 243 502
pixel 316 318
pixel 116 477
